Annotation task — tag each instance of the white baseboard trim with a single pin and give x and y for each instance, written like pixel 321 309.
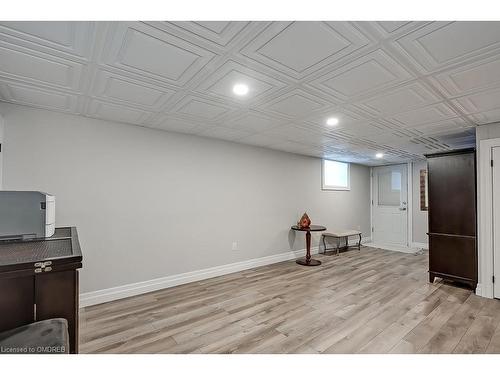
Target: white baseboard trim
pixel 129 290
pixel 479 290
pixel 484 290
pixel 420 245
pixel 364 240
pixel 401 249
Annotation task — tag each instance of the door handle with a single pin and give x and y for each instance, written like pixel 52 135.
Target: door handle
pixel 402 208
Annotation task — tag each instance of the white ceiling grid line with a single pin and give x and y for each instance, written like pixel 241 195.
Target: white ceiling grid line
pixel 400 88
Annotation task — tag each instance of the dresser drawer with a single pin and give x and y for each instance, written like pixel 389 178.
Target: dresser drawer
pixel 453 255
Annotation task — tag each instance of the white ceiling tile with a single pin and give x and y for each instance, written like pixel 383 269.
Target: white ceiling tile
pixel 483 107
pixel 486 117
pixel 281 47
pixel 219 32
pixel 201 108
pixel 424 115
pixel 221 82
pixel 442 43
pixel 365 129
pixel 443 127
pixel 366 150
pixel 389 30
pixel 296 104
pixel 368 76
pixel 224 87
pixel 472 77
pixel 39 68
pixel 65 36
pixel 481 102
pixel 400 99
pixel 389 138
pixel 345 119
pixel 333 144
pixel 374 71
pixel 115 112
pixel 149 51
pixel 38 97
pixel 295 133
pixel 392 26
pixel 136 93
pixel 346 157
pixel 216 27
pixel 277 46
pixel 138 52
pixel 419 148
pixel 254 122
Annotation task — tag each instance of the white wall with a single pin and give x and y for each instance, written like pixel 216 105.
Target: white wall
pixel 149 203
pixel 488 131
pixel 419 218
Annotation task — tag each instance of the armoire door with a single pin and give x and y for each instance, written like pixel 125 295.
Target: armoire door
pixel 17 298
pixel 56 297
pixel 452 193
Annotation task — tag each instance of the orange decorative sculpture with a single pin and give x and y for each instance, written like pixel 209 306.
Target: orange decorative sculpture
pixel 304 221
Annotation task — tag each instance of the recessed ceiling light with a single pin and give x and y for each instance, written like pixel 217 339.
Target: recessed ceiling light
pixel 379 155
pixel 332 121
pixel 240 89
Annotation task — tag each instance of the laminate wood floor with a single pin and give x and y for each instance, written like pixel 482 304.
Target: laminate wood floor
pixel 372 301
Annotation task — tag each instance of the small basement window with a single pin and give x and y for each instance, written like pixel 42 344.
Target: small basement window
pixel 335 175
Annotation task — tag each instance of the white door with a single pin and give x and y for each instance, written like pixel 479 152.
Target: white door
pixel 390 208
pixel 496 220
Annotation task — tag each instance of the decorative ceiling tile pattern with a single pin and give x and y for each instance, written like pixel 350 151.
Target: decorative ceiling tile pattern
pixel 401 88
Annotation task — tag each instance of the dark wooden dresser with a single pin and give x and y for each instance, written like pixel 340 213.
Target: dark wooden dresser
pixel 39 280
pixel 452 216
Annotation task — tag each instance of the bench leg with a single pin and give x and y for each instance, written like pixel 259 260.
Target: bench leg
pixel 359 243
pixel 324 245
pixel 338 245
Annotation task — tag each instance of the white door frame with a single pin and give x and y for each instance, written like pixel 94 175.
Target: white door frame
pixel 485 250
pixel 409 200
pixel 409 206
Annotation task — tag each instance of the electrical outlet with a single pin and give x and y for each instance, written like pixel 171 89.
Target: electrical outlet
pixel 234 247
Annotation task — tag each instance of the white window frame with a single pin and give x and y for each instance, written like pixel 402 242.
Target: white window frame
pixel 332 187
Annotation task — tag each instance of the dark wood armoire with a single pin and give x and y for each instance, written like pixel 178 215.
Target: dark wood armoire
pixel 452 216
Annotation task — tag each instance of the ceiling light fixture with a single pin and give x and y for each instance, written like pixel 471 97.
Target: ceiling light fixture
pixel 379 155
pixel 240 89
pixel 332 121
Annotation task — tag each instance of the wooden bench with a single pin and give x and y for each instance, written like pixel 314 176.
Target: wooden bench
pixel 339 236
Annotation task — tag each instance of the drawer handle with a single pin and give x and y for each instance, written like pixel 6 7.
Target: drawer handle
pixel 43 266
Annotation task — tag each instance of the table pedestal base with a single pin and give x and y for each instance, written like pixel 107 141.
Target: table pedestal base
pixel 304 262
pixel 307 261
